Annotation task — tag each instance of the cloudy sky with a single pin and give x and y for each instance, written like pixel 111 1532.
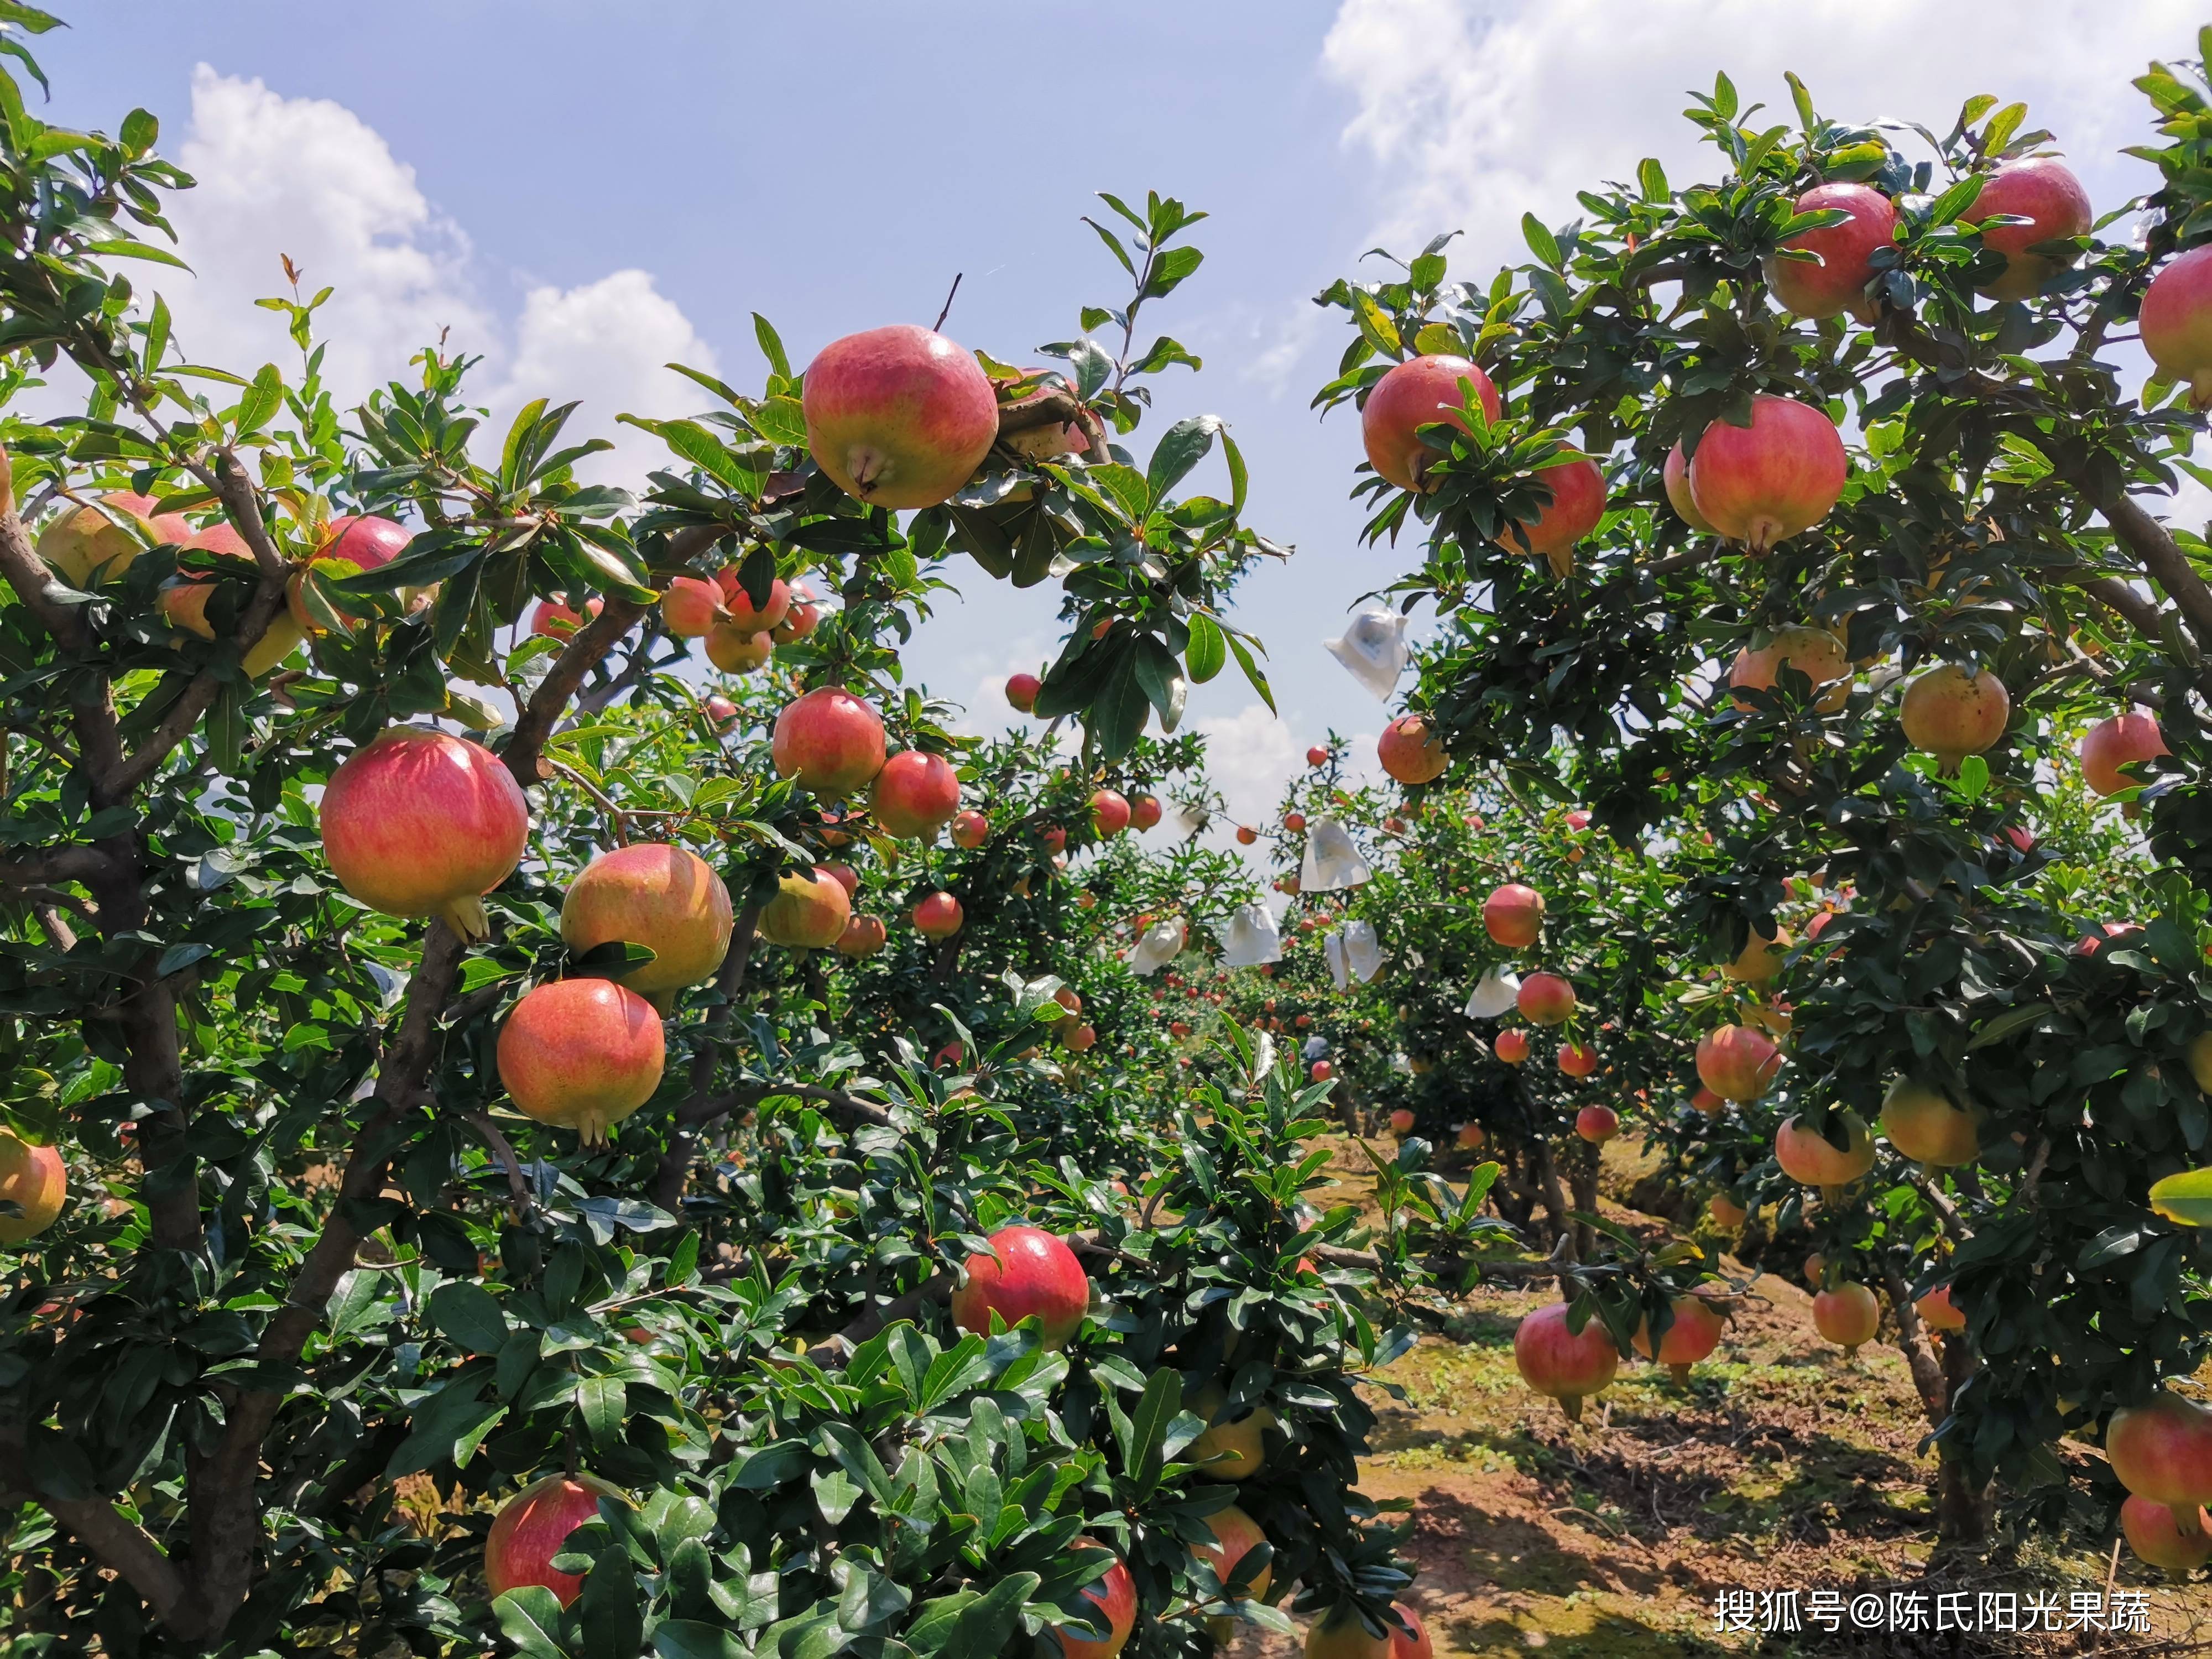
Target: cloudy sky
pixel 584 193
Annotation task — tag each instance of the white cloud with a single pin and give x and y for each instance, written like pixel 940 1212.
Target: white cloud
pixel 1249 755
pixel 307 177
pixel 1480 109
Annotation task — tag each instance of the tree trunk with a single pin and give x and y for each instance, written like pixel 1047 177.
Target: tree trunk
pixel 1583 1180
pixel 1554 1196
pixel 1962 1498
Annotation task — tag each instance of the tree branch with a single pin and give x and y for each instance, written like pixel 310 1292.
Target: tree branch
pixel 535 722
pixel 674 1169
pixel 2164 560
pixel 125 1549
pixel 26 573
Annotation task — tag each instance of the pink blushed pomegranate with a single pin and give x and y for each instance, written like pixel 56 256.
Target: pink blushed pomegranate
pixel 531 1529
pixel 1837 283
pixel 1421 392
pixel 1737 1063
pixel 1674 476
pixel 937 916
pixel 1114 1596
pixel 2043 191
pixel 1029 1272
pixel 830 741
pixel 690 606
pixel 1951 713
pixel 581 1055
pixel 1546 999
pixel 1691 1335
pixel 1577 490
pixel 1809 1157
pixel 1410 751
pixel 667 898
pixel 1762 483
pixel 36 1180
pixel 2177 323
pixel 2124 740
pixel 1568 1367
pixel 421 823
pixel 1022 691
pixel 1848 1315
pixel 2161 1451
pixel 1109 813
pixel 899 416
pixel 808 911
pixel 915 795
pixel 1513 915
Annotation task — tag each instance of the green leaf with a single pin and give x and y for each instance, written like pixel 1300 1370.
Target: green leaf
pixel 1170 267
pixel 601 1401
pixel 610 1613
pixel 470 1315
pixel 771 345
pixel 262 400
pixel 1181 447
pixel 1953 203
pixel 1651 181
pixel 1252 671
pixel 528 1617
pixel 2184 1198
pixel 688 1638
pixel 779 420
pixel 2012 1020
pixel 1207 652
pixel 1375 324
pixel 1542 242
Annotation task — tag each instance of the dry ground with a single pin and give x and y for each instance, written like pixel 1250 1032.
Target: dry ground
pixel 1782 1466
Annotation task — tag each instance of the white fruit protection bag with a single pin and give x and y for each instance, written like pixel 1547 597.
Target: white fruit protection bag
pixel 1250 939
pixel 1374 649
pixel 1162 943
pixel 1353 952
pixel 1495 995
pixel 1331 862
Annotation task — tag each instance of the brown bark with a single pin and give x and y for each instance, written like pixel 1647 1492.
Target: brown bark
pixel 1961 1500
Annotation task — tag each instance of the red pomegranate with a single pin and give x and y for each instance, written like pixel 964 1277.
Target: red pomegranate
pixel 2123 740
pixel 1838 283
pixel 421 823
pixel 2161 1451
pixel 1246 834
pixel 1295 823
pixel 1079 1037
pixel 1708 1102
pixel 1761 484
pixel 1144 812
pixel 366 542
pixel 937 916
pixel 95 541
pixel 830 741
pixel 845 875
pixel 1950 713
pixel 1320 1071
pixel 800 622
pixel 1410 751
pixel 1546 999
pixel 1511 1046
pixel 1938 1312
pixel 1691 1335
pixel 1514 915
pixel 581 1055
pixel 1022 691
pixel 971 830
pixel 2044 191
pixel 1028 1272
pixel 863 936
pixel 1847 1316
pixel 808 912
pixel 1726 1212
pixel 36 1180
pixel 1316 756
pixel 743 616
pixel 1109 813
pixel 1810 1158
pixel 555 619
pixel 1568 1368
pixel 915 795
pixel 1234 1533
pixel 2155 1534
pixel 1470 1137
pixel 667 898
pixel 1675 477
pixel 532 1526
pixel 1420 391
pixel 689 606
pixel 1814 653
pixel 2177 323
pixel 1596 1124
pixel 1340 1633
pixel 1412 1642
pixel 1115 1596
pixel 899 416
pixel 1577 490
pixel 1924 1126
pixel 1760 960
pixel 1401 1122
pixel 1737 1063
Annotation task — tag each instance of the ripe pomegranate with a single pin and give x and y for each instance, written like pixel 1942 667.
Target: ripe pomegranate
pixel 1950 713
pixel 1235 1533
pixel 419 823
pixel 1340 1633
pixel 1848 1315
pixel 1726 1212
pixel 830 741
pixel 899 416
pixel 2158 1540
pixel 1080 1038
pixel 1514 915
pixel 1511 1046
pixel 96 542
pixel 1470 1137
pixel 1924 1126
pixel 1764 483
pixel 689 606
pixel 1938 1312
pixel 553 619
pixel 2120 741
pixel 2161 1451
pixel 1811 1159
pixel 1054 837
pixel 1546 999
pixel 1316 756
pixel 1737 1063
pixel 734 651
pixel 1109 813
pixel 863 936
pixel 742 614
pixel 36 1180
pixel 1577 503
pixel 2177 323
pixel 1144 812
pixel 1674 476
pixel 667 898
pixel 971 830
pixel 1708 1102
pixel 915 795
pixel 1246 836
pixel 1412 1642
pixel 2044 192
pixel 1838 283
pixel 1596 1124
pixel 1114 1595
pixel 1760 960
pixel 937 916
pixel 1028 1272
pixel 1691 1336
pixel 366 542
pixel 809 911
pixel 1022 691
pixel 1320 1071
pixel 1401 1122
pixel 1410 751
pixel 1420 391
pixel 532 1526
pixel 1567 1367
pixel 799 622
pixel 581 1055
pixel 1294 822
pixel 1814 653
pixel 845 875
pixel 1230 1448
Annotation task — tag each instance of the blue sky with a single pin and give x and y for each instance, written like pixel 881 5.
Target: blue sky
pixel 584 192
